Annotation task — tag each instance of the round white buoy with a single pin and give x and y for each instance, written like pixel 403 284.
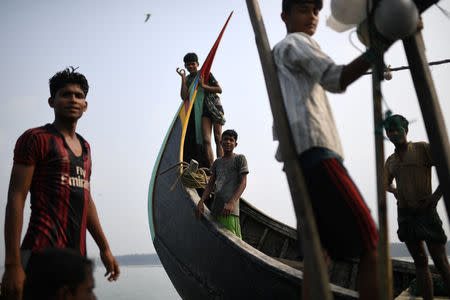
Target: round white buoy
pixel 349 11
pixel 396 19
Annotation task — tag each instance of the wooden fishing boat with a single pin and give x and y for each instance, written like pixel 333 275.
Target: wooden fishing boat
pixel 203 259
pixel 206 261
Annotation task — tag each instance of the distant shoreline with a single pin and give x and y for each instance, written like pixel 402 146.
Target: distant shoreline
pixel 397 250
pixel 150 259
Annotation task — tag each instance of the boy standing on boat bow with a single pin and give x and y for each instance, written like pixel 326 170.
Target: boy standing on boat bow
pixel 343 219
pixel 418 220
pixel 228 180
pixel 212 115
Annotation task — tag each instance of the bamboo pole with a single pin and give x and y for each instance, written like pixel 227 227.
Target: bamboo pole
pixel 384 257
pixel 431 111
pixel 315 268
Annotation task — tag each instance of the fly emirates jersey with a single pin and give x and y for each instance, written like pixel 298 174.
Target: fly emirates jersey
pixel 59 189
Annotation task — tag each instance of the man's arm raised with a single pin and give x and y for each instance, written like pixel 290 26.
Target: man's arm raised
pixel 353 71
pixel 19 185
pixel 184 90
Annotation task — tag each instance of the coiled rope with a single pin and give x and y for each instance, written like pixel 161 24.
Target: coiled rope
pixel 189 178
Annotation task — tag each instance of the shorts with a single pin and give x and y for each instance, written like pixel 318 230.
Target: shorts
pixel 424 226
pixel 343 219
pixel 212 109
pixel 207 114
pixel 231 223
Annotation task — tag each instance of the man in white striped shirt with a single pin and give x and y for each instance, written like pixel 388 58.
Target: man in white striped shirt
pixel 344 222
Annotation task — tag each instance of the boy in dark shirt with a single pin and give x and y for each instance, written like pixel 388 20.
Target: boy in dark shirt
pixel 53 163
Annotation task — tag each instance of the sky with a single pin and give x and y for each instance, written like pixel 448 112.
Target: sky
pixel 130 65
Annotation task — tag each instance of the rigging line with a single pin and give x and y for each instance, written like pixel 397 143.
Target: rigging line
pixel 443 10
pixel 351 41
pixel 433 63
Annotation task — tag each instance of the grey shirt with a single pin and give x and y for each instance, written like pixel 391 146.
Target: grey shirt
pixel 305 72
pixel 228 174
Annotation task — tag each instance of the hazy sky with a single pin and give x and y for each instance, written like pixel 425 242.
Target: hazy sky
pixel 134 94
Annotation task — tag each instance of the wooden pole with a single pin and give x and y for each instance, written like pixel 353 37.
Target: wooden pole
pixel 384 257
pixel 431 111
pixel 315 268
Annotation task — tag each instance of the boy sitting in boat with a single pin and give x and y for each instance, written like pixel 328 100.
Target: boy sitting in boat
pixel 212 116
pixel 228 180
pixel 418 220
pixel 344 222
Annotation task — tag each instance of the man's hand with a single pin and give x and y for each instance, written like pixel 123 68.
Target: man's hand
pixel 181 72
pixel 201 82
pixel 12 282
pixel 111 265
pixel 420 24
pixel 228 209
pixel 200 209
pixel 394 191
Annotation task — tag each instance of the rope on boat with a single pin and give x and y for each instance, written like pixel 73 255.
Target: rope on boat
pixel 432 63
pixel 189 178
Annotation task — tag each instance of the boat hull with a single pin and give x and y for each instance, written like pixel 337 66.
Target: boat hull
pixel 202 258
pixel 205 261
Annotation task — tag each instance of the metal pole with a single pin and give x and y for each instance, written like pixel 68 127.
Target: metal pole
pixel 315 268
pixel 431 111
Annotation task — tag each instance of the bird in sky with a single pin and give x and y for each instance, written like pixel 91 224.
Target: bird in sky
pixel 147 17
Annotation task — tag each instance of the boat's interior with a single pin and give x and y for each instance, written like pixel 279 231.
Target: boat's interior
pixel 280 242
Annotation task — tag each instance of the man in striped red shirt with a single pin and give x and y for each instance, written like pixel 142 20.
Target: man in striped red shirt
pixel 53 163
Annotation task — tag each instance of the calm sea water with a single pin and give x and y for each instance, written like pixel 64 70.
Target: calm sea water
pixel 141 282
pixel 135 282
